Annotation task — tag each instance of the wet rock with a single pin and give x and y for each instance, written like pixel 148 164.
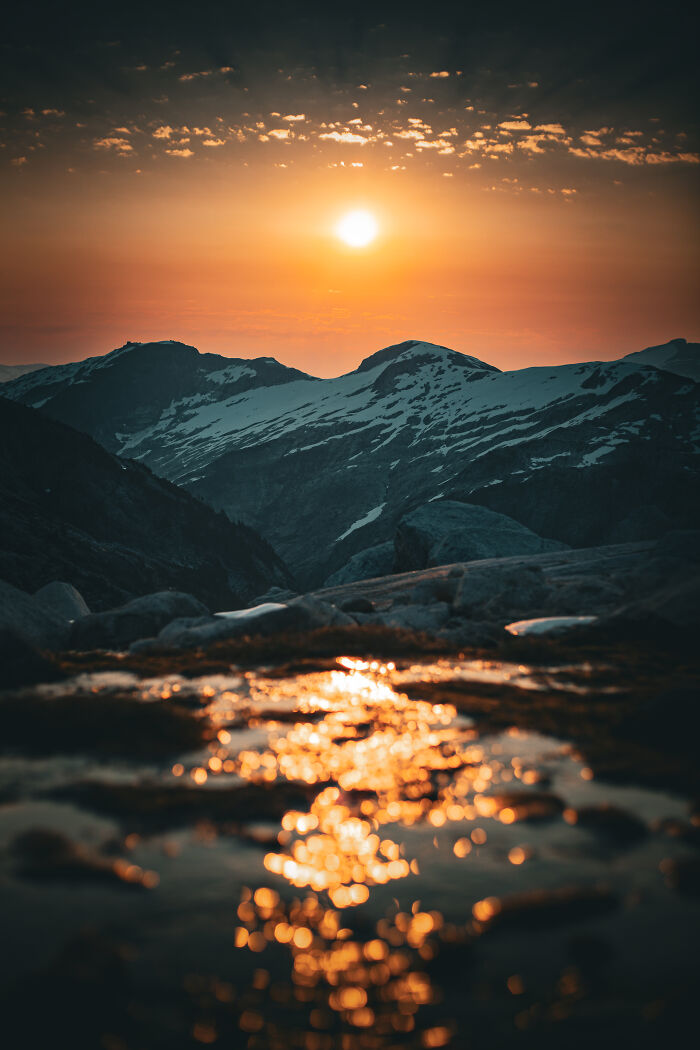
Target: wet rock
pixel 27 619
pixel 21 663
pixel 140 618
pixel 365 565
pixel 155 804
pixel 46 854
pixel 444 531
pixel 63 600
pixel 614 825
pixel 680 830
pixel 544 909
pixel 513 806
pixel 104 724
pixel 683 875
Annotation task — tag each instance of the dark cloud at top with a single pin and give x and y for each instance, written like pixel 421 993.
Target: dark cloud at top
pixel 586 55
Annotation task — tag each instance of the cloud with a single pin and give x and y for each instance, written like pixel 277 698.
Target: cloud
pixel 163 132
pixel 213 142
pixel 114 142
pixel 18 161
pixel 180 152
pixel 515 125
pixel 347 137
pixel 294 117
pixel 551 129
pixel 185 77
pixel 441 74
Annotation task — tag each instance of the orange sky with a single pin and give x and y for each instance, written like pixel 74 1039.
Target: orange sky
pixel 514 225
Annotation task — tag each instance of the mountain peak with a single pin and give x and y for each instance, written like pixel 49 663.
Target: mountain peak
pixel 420 351
pixel 678 356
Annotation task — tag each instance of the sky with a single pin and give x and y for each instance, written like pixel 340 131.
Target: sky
pixel 177 171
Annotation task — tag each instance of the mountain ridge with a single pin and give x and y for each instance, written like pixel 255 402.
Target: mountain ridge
pixel 326 467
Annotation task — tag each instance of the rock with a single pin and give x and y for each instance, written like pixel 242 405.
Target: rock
pixel 444 531
pixel 673 609
pixel 470 634
pixel 303 614
pixel 27 619
pixel 21 663
pixel 63 600
pixel 140 618
pixel 500 590
pixel 681 543
pixel 435 589
pixel 275 594
pixel 596 594
pixel 615 826
pixel 365 565
pixel 427 619
pixel 643 523
pixel 359 604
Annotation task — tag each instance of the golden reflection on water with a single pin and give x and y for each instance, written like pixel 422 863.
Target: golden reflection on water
pixel 382 762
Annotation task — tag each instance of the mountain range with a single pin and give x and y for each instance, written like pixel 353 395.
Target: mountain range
pixel 583 453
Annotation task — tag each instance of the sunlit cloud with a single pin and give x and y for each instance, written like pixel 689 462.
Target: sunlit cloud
pixel 116 143
pixel 347 137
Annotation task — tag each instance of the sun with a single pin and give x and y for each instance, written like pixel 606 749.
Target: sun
pixel 357 228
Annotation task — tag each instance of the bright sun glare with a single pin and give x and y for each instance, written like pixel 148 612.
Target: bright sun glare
pixel 357 228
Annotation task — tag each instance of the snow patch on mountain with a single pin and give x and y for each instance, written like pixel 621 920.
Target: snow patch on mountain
pixel 369 517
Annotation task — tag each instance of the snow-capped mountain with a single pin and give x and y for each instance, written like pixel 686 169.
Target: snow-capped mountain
pixel 678 356
pixel 326 467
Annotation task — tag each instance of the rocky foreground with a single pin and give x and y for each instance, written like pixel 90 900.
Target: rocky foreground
pixel 635 591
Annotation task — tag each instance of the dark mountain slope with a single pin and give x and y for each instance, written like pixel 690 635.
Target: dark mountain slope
pixel 70 510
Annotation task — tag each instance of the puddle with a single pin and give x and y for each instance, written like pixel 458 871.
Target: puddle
pixel 339 862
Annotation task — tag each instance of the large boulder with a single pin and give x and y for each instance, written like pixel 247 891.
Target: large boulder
pixel 492 592
pixel 303 614
pixel 444 531
pixel 365 565
pixel 62 599
pixel 140 618
pixel 26 618
pixel 426 619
